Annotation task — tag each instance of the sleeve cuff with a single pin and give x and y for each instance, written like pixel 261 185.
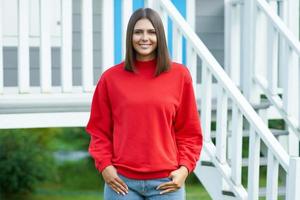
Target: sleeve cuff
pixel 101 166
pixel 187 164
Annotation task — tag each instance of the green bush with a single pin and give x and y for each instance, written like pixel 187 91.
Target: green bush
pixel 24 162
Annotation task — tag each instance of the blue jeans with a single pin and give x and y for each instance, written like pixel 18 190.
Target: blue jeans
pixel 143 190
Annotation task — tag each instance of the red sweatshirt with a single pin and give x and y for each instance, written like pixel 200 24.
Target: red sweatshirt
pixel 143 125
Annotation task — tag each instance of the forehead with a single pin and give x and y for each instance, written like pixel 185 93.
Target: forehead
pixel 143 24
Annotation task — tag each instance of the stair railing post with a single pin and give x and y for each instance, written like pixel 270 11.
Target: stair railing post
pixel 232 42
pixel 107 34
pixel 293 182
pixel 126 13
pixel 250 90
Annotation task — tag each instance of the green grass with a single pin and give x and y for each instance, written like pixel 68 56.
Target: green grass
pixel 80 181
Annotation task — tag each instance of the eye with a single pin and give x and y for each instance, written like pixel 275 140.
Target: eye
pixel 137 31
pixel 152 32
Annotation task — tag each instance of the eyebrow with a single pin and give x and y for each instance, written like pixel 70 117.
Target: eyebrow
pixel 140 29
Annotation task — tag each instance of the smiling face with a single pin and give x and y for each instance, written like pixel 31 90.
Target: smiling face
pixel 144 40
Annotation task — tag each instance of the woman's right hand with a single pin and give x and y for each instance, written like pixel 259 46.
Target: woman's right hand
pixel 112 179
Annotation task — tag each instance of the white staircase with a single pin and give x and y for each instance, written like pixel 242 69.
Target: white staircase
pixel 241 144
pixel 221 165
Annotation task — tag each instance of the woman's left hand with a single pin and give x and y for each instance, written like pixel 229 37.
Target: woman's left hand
pixel 178 178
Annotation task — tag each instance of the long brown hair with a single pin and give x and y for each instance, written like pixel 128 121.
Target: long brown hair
pixel 162 54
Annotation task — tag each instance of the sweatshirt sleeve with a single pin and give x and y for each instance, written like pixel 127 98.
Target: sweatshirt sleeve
pixel 187 127
pixel 100 127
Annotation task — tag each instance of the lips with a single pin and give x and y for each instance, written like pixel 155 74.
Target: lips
pixel 144 46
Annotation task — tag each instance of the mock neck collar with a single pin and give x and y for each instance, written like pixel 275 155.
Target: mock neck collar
pixel 146 64
pixel 145 68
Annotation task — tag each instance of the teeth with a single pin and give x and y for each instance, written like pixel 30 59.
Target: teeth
pixel 144 45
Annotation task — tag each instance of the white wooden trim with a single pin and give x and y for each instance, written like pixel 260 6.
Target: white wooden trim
pixel 206 102
pixel 272 177
pixel 126 13
pixel 253 169
pixel 66 45
pixel 107 35
pixel 62 119
pixel 23 46
pixel 87 44
pixel 1 52
pixel 45 48
pixel 221 139
pixel 177 44
pixel 237 141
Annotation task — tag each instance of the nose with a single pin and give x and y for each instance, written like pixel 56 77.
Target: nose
pixel 145 37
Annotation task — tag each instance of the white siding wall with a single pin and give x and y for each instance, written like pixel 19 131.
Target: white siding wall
pixel 210 27
pixel 10 52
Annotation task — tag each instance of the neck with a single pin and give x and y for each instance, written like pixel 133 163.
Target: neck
pixel 145 58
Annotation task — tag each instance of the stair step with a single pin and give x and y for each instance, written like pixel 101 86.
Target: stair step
pixel 263 191
pixel 245 161
pixel 264 104
pixel 263 161
pixel 276 133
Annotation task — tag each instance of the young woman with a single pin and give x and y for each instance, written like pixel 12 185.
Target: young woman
pixel 144 125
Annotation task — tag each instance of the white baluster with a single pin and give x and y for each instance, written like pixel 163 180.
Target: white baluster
pixel 23 46
pixel 221 135
pixel 253 169
pixel 290 97
pixel 237 141
pixel 107 34
pixel 272 54
pixel 45 47
pixel 87 45
pixel 261 50
pixel 191 55
pixel 177 44
pixel 206 102
pixel 126 13
pixel 164 18
pixel 232 41
pixel 66 45
pixel 272 177
pixel 248 59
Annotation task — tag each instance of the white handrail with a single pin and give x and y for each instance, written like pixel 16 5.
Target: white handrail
pixel 228 85
pixel 259 131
